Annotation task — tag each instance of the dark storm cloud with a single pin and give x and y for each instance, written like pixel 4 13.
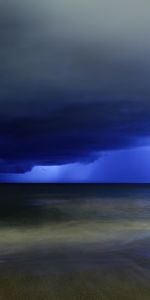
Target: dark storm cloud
pixel 74 80
pixel 76 132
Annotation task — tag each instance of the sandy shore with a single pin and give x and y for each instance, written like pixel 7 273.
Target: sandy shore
pixel 50 259
pixel 89 272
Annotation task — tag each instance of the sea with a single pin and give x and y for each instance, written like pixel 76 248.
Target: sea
pixel 74 241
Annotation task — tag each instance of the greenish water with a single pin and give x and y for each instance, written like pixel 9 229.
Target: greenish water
pixel 53 231
pixel 58 215
pixel 67 216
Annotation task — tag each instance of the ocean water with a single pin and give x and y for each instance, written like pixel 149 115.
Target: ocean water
pixel 107 216
pixel 57 230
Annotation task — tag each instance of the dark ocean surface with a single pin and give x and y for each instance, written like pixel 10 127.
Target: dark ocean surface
pixel 51 232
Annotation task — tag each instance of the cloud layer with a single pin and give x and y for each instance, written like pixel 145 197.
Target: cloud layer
pixel 74 80
pixel 74 133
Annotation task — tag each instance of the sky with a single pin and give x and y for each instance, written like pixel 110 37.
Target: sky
pixel 74 91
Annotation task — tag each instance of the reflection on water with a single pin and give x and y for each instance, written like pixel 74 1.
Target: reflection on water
pixel 77 228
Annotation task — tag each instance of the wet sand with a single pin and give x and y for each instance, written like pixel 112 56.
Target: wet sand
pixel 68 273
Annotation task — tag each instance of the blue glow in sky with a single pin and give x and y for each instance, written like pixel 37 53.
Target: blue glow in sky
pixel 131 165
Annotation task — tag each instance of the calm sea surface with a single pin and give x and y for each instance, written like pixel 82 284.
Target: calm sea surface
pixel 50 230
pixel 72 215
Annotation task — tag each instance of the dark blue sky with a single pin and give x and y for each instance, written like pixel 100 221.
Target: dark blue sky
pixel 74 91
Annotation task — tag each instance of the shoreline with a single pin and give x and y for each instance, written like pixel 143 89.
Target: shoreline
pixel 52 259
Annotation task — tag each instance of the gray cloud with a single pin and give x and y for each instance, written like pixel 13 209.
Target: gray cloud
pixel 74 45
pixel 74 79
